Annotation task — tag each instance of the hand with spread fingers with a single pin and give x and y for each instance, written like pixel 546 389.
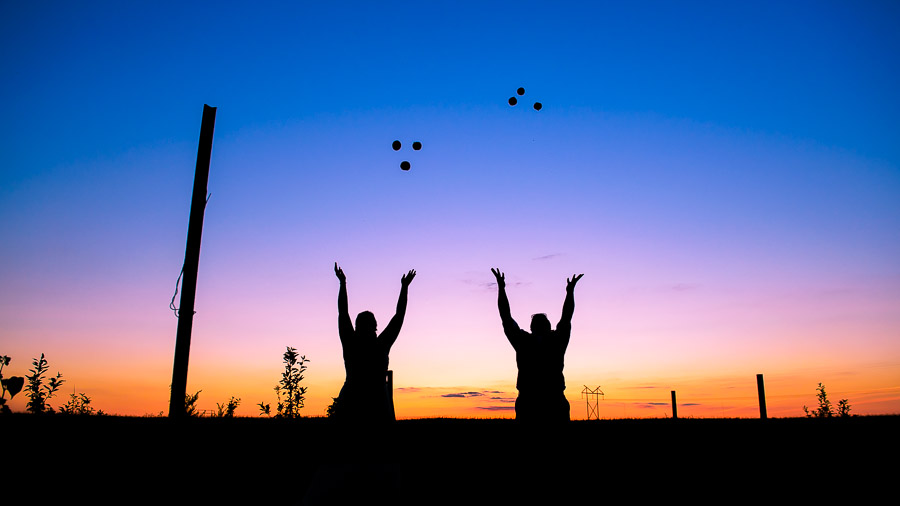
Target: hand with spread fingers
pixel 570 283
pixel 501 278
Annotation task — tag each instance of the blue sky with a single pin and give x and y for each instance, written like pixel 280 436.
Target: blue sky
pixel 822 71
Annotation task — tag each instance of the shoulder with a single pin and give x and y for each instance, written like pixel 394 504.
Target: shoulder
pixel 562 333
pixel 518 335
pixel 347 334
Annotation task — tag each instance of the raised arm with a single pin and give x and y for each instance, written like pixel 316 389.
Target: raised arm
pixel 509 325
pixel 569 305
pixel 390 333
pixel 345 326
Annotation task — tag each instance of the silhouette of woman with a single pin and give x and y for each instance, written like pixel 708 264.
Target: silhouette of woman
pixel 363 396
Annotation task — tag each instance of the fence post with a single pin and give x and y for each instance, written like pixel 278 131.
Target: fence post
pixel 762 396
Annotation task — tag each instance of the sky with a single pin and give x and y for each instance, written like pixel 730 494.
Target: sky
pixel 725 176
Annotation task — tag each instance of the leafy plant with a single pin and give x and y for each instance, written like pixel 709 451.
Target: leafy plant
pixel 843 408
pixel 227 410
pixel 265 409
pixel 329 411
pixel 13 385
pixel 825 409
pixel 289 392
pixel 79 404
pixel 39 393
pixel 190 404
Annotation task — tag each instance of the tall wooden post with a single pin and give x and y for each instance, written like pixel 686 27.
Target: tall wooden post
pixel 674 406
pixel 762 396
pixel 191 264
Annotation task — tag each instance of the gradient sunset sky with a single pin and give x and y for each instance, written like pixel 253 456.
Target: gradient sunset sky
pixel 726 176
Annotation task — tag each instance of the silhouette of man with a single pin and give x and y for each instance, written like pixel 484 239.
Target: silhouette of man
pixel 363 396
pixel 539 357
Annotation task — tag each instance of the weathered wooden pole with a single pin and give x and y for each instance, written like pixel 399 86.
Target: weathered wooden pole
pixel 674 406
pixel 762 396
pixel 191 264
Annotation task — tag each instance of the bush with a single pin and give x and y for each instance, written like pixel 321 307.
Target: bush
pixel 825 409
pixel 190 404
pixel 38 393
pixel 79 404
pixel 227 410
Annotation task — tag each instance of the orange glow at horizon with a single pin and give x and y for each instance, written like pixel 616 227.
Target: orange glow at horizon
pixel 714 396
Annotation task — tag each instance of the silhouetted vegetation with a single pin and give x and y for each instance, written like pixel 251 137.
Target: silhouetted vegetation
pixel 227 410
pixel 843 407
pixel 79 404
pixel 329 411
pixel 289 386
pixel 288 390
pixel 39 393
pixel 825 409
pixel 190 404
pixel 13 385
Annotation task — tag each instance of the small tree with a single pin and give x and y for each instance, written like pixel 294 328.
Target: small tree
pixel 289 392
pixel 38 393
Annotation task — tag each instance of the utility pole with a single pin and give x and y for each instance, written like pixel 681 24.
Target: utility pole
pixel 191 264
pixel 674 406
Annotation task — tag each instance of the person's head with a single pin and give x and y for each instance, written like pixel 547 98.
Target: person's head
pixel 540 324
pixel 365 323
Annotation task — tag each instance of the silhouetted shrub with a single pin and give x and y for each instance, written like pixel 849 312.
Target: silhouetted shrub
pixel 227 410
pixel 825 409
pixel 329 411
pixel 843 408
pixel 38 393
pixel 79 404
pixel 190 404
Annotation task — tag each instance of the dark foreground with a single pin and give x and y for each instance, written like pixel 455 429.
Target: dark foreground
pixel 125 460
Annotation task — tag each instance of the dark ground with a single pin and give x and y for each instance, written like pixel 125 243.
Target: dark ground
pixel 125 460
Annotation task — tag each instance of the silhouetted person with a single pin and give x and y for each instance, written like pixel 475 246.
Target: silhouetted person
pixel 363 396
pixel 539 356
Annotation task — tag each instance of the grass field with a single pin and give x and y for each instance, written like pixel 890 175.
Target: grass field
pixel 131 460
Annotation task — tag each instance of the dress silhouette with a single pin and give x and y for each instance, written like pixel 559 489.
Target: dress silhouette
pixel 363 396
pixel 540 357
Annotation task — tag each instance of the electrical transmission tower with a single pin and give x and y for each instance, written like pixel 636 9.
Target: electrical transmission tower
pixel 592 396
